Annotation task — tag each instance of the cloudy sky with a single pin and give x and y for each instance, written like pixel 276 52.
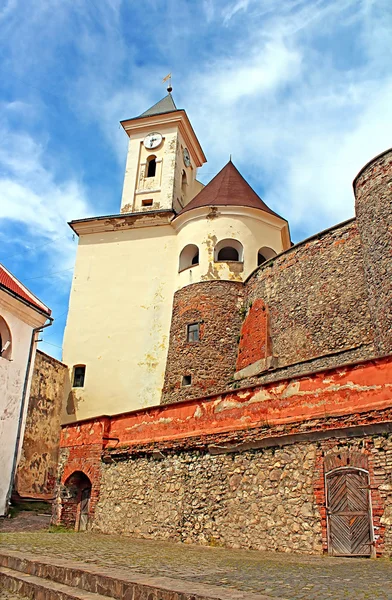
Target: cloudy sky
pixel 298 91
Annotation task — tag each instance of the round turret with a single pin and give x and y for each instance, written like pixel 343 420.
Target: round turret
pixel 373 207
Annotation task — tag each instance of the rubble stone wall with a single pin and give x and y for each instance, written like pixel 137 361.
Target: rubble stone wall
pixel 317 298
pixel 261 500
pixel 373 192
pixel 216 306
pixel 266 499
pixel 36 474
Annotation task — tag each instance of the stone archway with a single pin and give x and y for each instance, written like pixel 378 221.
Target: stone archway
pixel 76 501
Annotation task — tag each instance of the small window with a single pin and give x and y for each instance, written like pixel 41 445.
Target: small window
pixel 5 340
pixel 228 254
pixel 79 375
pixel 265 254
pixel 229 250
pixel 147 202
pixel 151 166
pixel 193 332
pixel 189 256
pixel 186 380
pixel 184 183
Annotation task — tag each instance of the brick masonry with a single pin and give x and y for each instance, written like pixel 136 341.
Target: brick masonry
pixel 216 306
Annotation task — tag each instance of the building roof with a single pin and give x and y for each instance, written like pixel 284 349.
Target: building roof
pixel 163 106
pixel 228 188
pixel 10 284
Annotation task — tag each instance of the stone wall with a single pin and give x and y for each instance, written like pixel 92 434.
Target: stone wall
pixel 261 500
pixel 317 298
pixel 265 499
pixel 216 306
pixel 373 192
pixel 36 473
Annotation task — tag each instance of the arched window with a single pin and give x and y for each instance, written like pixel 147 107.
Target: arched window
pixel 184 182
pixel 151 166
pixel 265 254
pixel 229 250
pixel 5 340
pixel 189 256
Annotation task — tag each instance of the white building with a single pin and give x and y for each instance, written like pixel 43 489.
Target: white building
pixel 22 316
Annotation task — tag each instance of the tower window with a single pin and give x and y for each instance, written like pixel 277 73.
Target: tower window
pixel 229 250
pixel 189 256
pixel 79 376
pixel 265 254
pixel 184 183
pixel 228 254
pixel 147 202
pixel 193 332
pixel 151 166
pixel 186 380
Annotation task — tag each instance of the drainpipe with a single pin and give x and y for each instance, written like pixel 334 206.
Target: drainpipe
pixel 22 405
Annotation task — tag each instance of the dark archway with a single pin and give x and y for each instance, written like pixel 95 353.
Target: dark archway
pixel 76 501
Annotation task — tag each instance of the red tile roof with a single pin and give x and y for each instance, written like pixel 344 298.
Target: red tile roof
pixel 228 188
pixel 11 284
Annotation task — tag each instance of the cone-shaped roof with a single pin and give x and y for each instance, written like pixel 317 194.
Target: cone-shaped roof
pixel 163 106
pixel 228 188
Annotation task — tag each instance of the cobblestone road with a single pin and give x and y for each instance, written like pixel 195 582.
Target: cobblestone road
pixel 278 575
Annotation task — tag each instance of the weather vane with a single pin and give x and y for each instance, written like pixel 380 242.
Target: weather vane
pixel 169 85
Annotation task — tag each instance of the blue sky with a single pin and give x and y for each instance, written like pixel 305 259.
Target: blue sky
pixel 299 92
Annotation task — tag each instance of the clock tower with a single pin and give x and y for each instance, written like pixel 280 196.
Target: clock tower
pixel 163 157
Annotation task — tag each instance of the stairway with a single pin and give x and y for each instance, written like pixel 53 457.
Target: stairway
pixel 41 578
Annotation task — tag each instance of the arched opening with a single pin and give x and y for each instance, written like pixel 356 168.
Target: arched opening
pixel 349 512
pixel 151 166
pixel 76 501
pixel 184 182
pixel 189 257
pixel 229 250
pixel 5 340
pixel 265 254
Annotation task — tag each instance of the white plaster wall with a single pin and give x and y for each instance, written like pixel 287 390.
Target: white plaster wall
pixel 12 377
pixel 253 228
pixel 119 319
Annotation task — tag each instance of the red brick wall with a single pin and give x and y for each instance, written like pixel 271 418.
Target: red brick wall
pixel 255 342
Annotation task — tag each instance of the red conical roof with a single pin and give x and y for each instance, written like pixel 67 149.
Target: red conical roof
pixel 228 188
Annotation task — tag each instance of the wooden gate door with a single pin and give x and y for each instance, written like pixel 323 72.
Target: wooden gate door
pixel 348 510
pixel 84 506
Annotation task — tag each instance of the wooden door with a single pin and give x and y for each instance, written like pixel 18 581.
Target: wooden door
pixel 84 506
pixel 348 510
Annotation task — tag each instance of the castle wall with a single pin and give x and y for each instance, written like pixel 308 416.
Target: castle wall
pixel 36 473
pixel 317 299
pixel 243 468
pixel 265 499
pixel 373 206
pixel 215 306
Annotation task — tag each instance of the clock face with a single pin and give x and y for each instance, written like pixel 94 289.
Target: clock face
pixel 152 140
pixel 187 158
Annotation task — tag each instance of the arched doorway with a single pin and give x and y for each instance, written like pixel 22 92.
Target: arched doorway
pixel 350 531
pixel 76 501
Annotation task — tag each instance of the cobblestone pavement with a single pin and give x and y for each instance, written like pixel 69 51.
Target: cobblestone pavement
pixel 25 521
pixel 288 576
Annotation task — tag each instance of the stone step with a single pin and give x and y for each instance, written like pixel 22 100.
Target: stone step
pixel 94 582
pixel 37 588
